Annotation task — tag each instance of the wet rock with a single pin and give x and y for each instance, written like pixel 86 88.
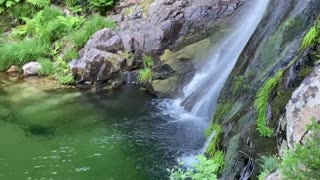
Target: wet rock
pixel 31 68
pixel 303 106
pixel 168 24
pixel 96 65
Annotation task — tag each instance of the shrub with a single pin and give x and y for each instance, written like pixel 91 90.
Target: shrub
pixel 95 23
pixel 304 162
pixel 205 169
pixel 261 104
pixel 268 164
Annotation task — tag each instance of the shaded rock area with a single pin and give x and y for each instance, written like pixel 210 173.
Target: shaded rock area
pixel 151 29
pixel 275 46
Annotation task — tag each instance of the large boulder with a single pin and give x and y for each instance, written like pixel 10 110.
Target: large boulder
pixel 31 68
pixel 303 106
pixel 167 24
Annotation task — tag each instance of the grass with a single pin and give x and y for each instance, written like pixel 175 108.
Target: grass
pixel 261 104
pixel 46 67
pixel 92 25
pixel 19 53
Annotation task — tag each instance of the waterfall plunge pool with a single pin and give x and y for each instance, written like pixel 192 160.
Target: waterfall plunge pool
pixel 68 134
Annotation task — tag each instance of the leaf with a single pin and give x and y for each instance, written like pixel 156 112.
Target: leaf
pixel 9 3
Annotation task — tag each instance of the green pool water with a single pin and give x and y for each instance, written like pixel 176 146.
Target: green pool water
pixel 63 133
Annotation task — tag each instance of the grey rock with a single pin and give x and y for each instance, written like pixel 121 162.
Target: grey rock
pixel 169 24
pixel 31 68
pixel 302 107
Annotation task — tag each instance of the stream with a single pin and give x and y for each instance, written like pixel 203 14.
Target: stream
pixel 61 133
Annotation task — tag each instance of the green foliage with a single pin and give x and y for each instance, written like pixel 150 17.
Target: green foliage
pixel 268 164
pixel 101 5
pixel 95 23
pixel 310 38
pixel 205 169
pixel 261 104
pixel 304 162
pixel 62 72
pixel 222 110
pixel 21 52
pixel 147 61
pixel 216 131
pixel 46 67
pixel 145 75
pixel 39 3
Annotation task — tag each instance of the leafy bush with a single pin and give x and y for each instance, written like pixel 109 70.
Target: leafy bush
pixel 261 104
pixel 268 165
pixel 95 23
pixel 205 169
pixel 304 162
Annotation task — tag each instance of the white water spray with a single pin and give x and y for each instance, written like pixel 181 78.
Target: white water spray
pixel 200 95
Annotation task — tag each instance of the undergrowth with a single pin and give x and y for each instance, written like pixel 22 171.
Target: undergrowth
pixel 268 165
pixel 44 36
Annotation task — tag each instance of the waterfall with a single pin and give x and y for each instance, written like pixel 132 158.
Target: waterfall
pixel 204 89
pixel 201 94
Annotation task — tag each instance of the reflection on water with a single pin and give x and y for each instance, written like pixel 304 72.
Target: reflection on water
pixel 56 133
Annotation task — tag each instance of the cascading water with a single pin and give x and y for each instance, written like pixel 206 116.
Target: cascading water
pixel 200 95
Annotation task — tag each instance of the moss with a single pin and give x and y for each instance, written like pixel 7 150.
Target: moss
pixel 304 72
pixel 231 153
pixel 261 104
pixel 291 28
pixel 145 6
pixel 189 52
pixel 212 151
pixel 222 110
pixel 240 85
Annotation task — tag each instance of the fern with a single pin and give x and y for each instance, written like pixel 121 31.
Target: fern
pixel 261 104
pixel 310 37
pixel 145 75
pixel 39 3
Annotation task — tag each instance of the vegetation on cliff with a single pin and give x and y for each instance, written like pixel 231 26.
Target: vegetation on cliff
pixel 261 104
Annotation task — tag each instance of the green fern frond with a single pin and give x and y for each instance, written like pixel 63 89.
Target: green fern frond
pixel 310 37
pixel 39 3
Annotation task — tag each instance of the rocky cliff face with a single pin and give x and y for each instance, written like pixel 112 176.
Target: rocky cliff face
pixel 275 46
pixel 164 24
